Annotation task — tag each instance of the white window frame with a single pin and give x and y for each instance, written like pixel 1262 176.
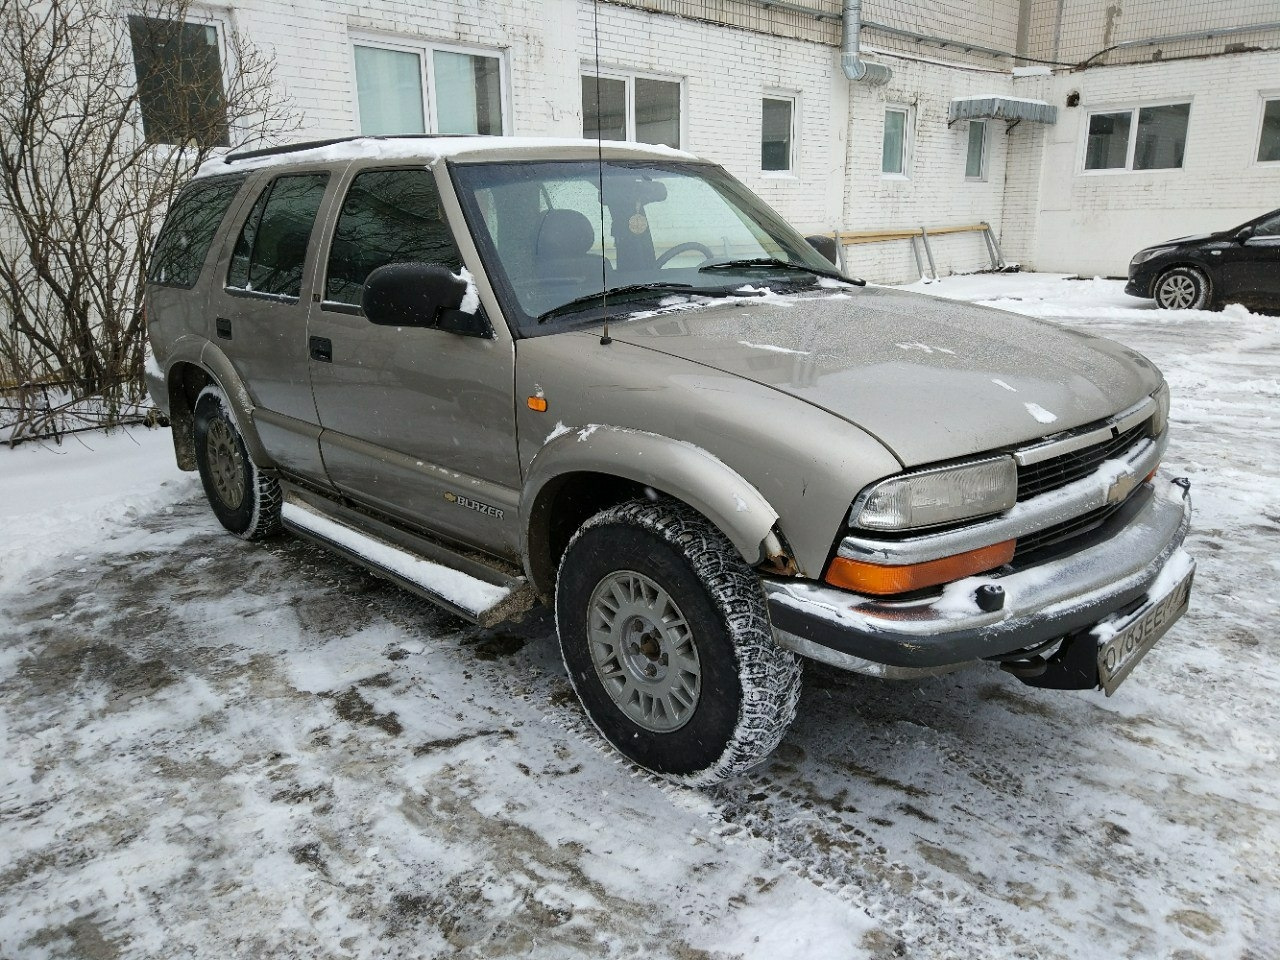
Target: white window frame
pixel 793 157
pixel 908 140
pixel 425 49
pixel 1264 97
pixel 1132 109
pixel 629 78
pixel 221 21
pixel 986 149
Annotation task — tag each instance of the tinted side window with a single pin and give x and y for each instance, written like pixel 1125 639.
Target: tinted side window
pixel 272 246
pixel 188 231
pixel 389 216
pixel 1268 228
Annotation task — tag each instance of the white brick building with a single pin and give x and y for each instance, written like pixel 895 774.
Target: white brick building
pixel 721 77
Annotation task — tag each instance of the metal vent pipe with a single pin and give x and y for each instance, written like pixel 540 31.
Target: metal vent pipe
pixel 854 67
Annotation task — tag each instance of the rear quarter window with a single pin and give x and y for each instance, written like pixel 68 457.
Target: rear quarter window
pixel 188 231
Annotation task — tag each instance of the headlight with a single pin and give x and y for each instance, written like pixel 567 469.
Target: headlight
pixel 1160 419
pixel 1142 256
pixel 933 497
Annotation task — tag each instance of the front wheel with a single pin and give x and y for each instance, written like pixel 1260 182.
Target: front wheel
pixel 666 638
pixel 1182 288
pixel 245 500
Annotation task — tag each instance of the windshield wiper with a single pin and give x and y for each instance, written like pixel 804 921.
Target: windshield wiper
pixel 781 264
pixel 601 295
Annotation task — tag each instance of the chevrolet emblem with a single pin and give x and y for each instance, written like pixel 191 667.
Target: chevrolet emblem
pixel 1122 487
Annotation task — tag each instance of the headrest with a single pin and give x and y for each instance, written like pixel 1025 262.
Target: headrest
pixel 564 233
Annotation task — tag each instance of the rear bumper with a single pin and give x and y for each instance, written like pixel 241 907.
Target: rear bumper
pixel 1060 597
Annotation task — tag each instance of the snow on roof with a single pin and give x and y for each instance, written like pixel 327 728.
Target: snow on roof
pixel 431 149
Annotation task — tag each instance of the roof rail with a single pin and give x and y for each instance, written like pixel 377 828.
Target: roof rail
pixel 316 144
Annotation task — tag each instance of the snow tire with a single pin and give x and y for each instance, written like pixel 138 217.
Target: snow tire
pixel 1183 288
pixel 749 686
pixel 245 500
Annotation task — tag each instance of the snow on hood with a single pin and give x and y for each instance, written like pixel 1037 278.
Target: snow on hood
pixel 931 379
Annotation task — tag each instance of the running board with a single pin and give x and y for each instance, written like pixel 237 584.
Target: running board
pixel 460 584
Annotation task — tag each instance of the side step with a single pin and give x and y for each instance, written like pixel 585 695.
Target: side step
pixel 463 585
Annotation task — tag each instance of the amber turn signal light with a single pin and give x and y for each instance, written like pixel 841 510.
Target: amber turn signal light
pixel 538 403
pixel 880 580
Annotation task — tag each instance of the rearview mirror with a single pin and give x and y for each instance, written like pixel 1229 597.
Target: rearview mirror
pixel 411 294
pixel 1243 234
pixel 826 246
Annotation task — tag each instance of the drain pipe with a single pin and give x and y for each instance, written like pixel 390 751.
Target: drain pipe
pixel 855 68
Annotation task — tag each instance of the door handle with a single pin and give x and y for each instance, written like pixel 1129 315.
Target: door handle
pixel 322 349
pixel 223 327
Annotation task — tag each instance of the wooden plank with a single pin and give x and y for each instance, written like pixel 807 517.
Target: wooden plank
pixel 879 236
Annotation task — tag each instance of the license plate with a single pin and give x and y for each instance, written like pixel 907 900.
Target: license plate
pixel 1119 655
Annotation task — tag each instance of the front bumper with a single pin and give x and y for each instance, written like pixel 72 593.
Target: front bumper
pixel 1052 600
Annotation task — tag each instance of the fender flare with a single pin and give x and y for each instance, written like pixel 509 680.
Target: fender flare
pixel 676 468
pixel 200 353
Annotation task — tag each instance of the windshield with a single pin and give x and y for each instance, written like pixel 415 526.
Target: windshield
pixel 665 227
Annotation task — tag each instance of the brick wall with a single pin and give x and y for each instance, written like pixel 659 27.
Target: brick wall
pixel 1076 30
pixel 1094 222
pixel 934 192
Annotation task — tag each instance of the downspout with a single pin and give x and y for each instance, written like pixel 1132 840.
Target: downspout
pixel 855 68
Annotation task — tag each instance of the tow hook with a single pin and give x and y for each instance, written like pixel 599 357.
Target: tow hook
pixel 1184 483
pixel 989 597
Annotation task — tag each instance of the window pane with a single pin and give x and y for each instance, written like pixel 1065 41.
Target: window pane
pixel 895 135
pixel 658 112
pixel 179 76
pixel 274 239
pixel 468 93
pixel 775 128
pixel 1162 137
pixel 1269 145
pixel 389 89
pixel 389 216
pixel 1268 228
pixel 188 231
pixel 1108 146
pixel 606 117
pixel 973 166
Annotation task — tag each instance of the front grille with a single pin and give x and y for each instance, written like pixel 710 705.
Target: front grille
pixel 1069 467
pixel 1065 530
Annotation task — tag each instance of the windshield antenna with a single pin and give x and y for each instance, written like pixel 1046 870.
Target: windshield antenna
pixel 605 339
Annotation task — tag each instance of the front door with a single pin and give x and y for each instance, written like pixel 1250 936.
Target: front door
pixel 1250 271
pixel 261 316
pixel 418 423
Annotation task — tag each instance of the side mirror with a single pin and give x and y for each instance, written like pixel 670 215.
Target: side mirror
pixel 464 324
pixel 1244 234
pixel 411 294
pixel 827 247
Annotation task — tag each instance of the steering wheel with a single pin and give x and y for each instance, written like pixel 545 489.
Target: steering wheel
pixel 680 248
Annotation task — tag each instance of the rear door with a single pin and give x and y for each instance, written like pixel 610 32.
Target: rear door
pixel 1251 270
pixel 260 310
pixel 418 423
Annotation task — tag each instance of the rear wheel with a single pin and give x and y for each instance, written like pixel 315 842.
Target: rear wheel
pixel 666 638
pixel 245 500
pixel 1182 288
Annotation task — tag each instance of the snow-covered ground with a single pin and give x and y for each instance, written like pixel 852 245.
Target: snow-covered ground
pixel 217 749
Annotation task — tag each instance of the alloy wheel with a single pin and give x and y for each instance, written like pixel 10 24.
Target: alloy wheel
pixel 643 651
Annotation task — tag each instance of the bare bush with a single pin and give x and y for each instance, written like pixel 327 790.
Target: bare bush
pixel 103 117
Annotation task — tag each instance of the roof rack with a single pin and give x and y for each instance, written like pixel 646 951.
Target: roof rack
pixel 317 144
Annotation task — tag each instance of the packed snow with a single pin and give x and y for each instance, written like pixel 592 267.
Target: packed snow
pixel 216 748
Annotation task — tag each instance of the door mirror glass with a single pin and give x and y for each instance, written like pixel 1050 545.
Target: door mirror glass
pixel 411 294
pixel 827 247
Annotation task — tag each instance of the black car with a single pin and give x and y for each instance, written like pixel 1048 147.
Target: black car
pixel 1240 265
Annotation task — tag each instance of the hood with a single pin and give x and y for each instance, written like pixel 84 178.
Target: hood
pixel 931 379
pixel 1194 238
